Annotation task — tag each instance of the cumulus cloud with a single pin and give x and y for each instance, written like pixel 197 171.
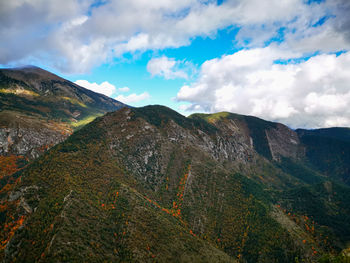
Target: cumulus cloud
pixel 313 93
pixel 105 87
pixel 323 27
pixel 133 98
pixel 109 89
pixel 124 89
pixel 26 27
pixel 166 67
pixel 78 35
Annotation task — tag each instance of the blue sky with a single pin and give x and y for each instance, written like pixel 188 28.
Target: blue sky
pixel 285 61
pixel 131 71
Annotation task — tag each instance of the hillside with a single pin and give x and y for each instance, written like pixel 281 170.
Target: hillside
pixel 150 185
pixel 39 109
pixel 328 150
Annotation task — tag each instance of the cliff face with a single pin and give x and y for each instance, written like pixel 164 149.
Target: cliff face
pixel 272 140
pixel 148 184
pixel 27 142
pixel 29 136
pixel 284 142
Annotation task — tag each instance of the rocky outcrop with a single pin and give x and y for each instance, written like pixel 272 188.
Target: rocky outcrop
pixel 284 142
pixel 153 147
pixel 28 142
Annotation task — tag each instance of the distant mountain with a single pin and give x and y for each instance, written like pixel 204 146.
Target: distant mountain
pixel 328 151
pixel 150 185
pixel 39 109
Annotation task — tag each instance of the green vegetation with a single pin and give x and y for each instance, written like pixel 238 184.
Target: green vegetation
pixel 160 115
pixel 327 203
pixel 328 154
pixel 83 122
pixel 341 258
pixel 211 117
pixel 142 185
pixel 74 101
pixel 46 96
pixel 83 198
pixel 300 171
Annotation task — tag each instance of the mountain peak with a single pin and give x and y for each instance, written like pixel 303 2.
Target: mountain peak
pixel 28 67
pixel 30 73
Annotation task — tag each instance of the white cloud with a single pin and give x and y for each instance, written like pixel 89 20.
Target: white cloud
pixel 313 93
pixel 76 36
pixel 109 89
pixel 325 39
pixel 323 27
pixel 105 87
pixel 133 98
pixel 166 67
pixel 124 89
pixel 27 26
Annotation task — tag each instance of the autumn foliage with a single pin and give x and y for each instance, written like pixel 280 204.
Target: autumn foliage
pixel 9 165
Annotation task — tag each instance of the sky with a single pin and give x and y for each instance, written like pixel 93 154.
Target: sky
pixel 280 60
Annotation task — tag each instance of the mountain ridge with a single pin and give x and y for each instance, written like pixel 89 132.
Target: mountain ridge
pixel 206 179
pixel 48 105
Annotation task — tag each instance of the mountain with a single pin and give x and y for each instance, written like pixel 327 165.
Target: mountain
pixel 39 109
pixel 328 150
pixel 150 185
